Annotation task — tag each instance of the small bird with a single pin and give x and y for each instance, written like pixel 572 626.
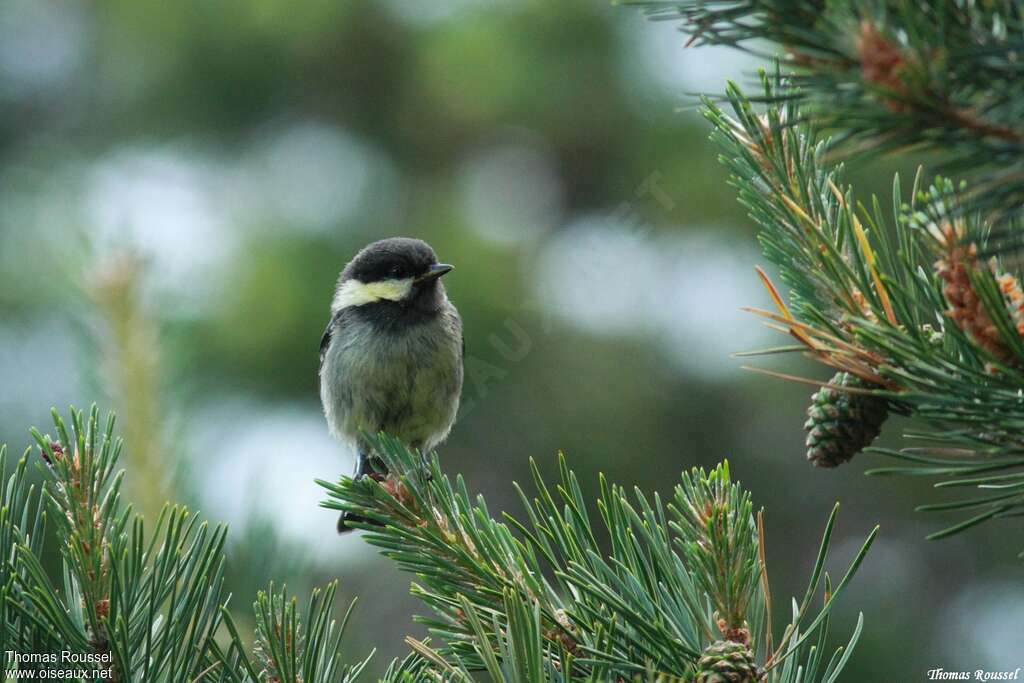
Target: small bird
pixel 391 357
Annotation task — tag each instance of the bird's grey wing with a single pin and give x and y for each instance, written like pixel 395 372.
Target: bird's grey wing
pixel 325 341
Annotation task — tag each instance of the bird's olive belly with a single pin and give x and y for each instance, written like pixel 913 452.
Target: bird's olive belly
pixel 405 386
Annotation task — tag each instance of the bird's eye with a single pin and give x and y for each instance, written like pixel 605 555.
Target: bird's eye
pixel 397 272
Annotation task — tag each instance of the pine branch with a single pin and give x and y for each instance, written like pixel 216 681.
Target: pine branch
pixel 908 303
pixel 290 648
pixel 545 596
pixel 129 605
pixel 141 609
pixel 412 669
pixel 22 524
pixel 131 367
pixel 719 537
pixel 520 652
pixel 680 595
pixel 891 75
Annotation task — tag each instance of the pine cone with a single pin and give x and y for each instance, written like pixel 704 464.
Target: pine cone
pixel 727 662
pixel 840 424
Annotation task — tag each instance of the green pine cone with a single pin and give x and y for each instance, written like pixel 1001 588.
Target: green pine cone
pixel 840 424
pixel 727 662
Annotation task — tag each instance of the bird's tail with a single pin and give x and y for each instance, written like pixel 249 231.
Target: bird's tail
pixel 347 518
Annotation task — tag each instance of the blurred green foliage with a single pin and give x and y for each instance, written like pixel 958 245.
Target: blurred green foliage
pixel 246 149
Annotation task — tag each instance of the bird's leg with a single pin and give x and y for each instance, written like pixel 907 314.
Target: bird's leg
pixel 365 467
pixel 369 464
pixel 428 475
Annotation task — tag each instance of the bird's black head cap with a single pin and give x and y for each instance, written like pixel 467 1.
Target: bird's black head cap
pixel 395 258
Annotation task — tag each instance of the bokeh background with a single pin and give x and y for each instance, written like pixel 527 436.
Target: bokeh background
pixel 180 184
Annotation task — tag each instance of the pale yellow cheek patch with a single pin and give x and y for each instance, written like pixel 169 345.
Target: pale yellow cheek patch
pixel 356 293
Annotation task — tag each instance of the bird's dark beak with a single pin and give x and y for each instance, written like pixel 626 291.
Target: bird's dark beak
pixel 435 271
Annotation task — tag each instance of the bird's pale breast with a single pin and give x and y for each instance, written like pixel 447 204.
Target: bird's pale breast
pixel 406 382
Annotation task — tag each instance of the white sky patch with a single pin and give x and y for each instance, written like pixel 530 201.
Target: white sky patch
pixel 510 193
pixel 39 368
pixel 656 58
pixel 985 616
pixel 246 455
pixel 598 278
pixel 42 44
pixel 684 288
pixel 306 176
pixel 163 202
pixel 438 11
pixel 183 205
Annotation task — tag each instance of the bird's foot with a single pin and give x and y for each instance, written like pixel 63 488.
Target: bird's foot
pixel 426 473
